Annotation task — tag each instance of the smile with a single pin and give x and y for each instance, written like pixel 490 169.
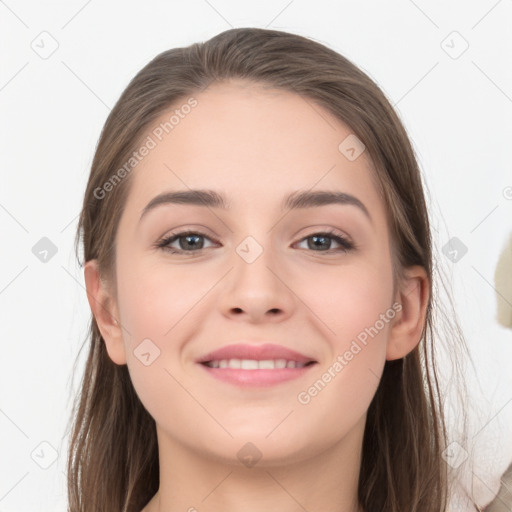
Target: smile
pixel 252 373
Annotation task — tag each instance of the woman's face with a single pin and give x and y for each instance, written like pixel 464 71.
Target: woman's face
pixel 254 273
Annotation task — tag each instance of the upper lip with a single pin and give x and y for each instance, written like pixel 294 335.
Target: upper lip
pixel 258 352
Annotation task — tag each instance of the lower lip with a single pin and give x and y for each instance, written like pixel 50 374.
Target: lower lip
pixel 247 378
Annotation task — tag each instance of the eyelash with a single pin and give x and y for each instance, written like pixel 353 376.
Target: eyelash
pixel 163 244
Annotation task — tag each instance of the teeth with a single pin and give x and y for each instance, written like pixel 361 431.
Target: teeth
pixel 249 364
pixel 252 364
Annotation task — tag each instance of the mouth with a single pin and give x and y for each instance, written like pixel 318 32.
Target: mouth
pixel 256 364
pixel 252 373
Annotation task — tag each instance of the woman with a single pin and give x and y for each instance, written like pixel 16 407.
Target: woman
pixel 258 264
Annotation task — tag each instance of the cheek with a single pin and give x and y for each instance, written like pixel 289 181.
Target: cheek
pixel 155 305
pixel 353 308
pixel 349 300
pixel 152 300
pixel 355 313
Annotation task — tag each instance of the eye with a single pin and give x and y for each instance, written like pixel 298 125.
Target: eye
pixel 321 240
pixel 190 242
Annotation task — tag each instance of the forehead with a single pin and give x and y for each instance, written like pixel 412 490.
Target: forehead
pixel 254 144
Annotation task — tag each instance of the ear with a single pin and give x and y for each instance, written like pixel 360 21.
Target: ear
pixel 407 326
pixel 104 309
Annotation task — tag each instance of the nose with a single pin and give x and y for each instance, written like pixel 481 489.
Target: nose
pixel 257 290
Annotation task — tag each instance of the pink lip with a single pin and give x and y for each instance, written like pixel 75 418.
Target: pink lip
pixel 258 352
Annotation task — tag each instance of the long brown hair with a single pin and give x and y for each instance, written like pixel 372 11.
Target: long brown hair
pixel 113 453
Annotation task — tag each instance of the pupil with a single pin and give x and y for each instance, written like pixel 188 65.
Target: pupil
pixel 321 238
pixel 188 237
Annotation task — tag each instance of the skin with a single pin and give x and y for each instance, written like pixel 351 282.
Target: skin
pixel 255 145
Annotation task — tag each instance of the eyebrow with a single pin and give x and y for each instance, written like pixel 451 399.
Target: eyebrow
pixel 294 201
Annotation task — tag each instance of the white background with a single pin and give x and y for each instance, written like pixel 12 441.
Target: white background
pixel 456 108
